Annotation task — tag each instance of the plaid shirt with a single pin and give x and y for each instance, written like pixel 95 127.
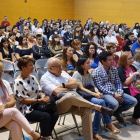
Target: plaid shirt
pixel 107 82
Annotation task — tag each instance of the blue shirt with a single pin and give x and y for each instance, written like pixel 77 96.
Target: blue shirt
pixel 134 47
pixel 95 63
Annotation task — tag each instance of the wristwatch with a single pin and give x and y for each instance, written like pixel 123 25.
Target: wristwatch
pixel 63 85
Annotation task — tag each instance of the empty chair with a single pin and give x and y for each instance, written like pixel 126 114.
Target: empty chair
pixel 8 66
pixel 8 77
pixel 41 71
pixel 40 63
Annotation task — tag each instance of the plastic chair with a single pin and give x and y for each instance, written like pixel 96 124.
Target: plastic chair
pixel 40 63
pixel 41 72
pixel 16 67
pixel 8 66
pixel 35 75
pixel 8 77
pixel 124 43
pixel 120 44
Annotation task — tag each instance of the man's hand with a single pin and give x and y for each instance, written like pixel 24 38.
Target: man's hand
pixel 45 99
pixel 118 97
pixel 98 95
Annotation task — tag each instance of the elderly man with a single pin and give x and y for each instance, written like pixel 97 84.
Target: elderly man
pixel 58 83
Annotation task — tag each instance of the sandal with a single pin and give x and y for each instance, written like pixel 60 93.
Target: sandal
pixel 41 138
pixel 113 129
pixel 97 137
pixel 136 121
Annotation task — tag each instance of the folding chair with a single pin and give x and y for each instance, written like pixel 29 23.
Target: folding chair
pixel 16 67
pixel 8 77
pixel 41 71
pixel 8 66
pixel 40 63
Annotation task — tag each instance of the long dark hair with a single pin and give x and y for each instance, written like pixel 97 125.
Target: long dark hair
pixel 53 43
pixel 21 39
pixel 4 40
pixel 91 32
pixel 98 33
pixel 80 62
pixel 81 34
pixel 86 49
pixel 64 57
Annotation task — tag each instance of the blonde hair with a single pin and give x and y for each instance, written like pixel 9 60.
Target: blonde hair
pixel 110 45
pixel 137 54
pixel 123 59
pixel 1 65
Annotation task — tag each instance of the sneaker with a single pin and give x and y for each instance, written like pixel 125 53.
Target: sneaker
pixel 120 118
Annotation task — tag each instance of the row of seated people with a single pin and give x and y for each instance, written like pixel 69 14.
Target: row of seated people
pixel 100 87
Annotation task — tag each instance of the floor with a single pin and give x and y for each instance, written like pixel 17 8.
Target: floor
pixel 131 131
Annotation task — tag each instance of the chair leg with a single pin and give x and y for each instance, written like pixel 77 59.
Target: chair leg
pixel 74 118
pixel 59 120
pixel 23 136
pixel 37 127
pixel 9 136
pixel 55 134
pixel 64 120
pixel 103 123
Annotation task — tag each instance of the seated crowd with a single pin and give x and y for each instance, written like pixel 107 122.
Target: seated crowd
pixel 84 74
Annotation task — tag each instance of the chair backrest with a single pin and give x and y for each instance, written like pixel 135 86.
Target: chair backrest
pixel 7 77
pixel 41 72
pixel 59 57
pixel 35 75
pixel 16 74
pixel 8 66
pixel 40 63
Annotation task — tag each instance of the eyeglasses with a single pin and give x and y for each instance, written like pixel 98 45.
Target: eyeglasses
pixel 57 66
pixel 130 58
pixel 113 47
pixel 92 48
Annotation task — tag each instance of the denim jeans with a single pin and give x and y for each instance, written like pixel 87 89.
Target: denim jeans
pixel 117 107
pixel 98 115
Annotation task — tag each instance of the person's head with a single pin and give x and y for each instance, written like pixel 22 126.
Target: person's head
pixel 76 44
pixel 93 31
pixel 55 40
pixel 107 22
pixel 137 55
pixel 5 18
pixel 54 66
pixel 7 28
pixel 29 19
pixel 22 40
pixel 83 64
pixel 138 38
pixel 54 26
pixel 25 30
pixel 65 26
pixel 12 36
pixel 26 64
pixel 126 59
pixel 44 23
pixel 39 39
pixel 1 30
pixel 24 22
pixel 90 49
pixel 15 29
pixel 21 19
pixel 67 52
pixel 99 33
pixel 1 69
pixel 86 27
pixel 57 25
pixel 111 47
pixel 31 37
pixel 116 27
pixel 49 24
pixel 68 28
pixel 38 25
pixel 110 32
pixel 28 25
pixel 106 59
pixel 131 36
pixel 4 43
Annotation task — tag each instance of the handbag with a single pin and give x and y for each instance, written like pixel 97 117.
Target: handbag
pixel 44 106
pixel 85 95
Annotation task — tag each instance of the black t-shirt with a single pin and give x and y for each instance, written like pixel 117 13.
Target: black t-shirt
pixel 128 43
pixel 54 32
pixel 7 56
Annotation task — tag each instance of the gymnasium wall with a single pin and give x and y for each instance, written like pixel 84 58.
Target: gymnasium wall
pixel 39 9
pixel 118 11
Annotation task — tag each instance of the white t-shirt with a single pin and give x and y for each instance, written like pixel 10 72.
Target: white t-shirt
pixel 49 82
pixel 8 87
pixel 38 31
pixel 112 39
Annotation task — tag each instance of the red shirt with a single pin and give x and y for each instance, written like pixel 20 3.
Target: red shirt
pixel 115 61
pixel 5 23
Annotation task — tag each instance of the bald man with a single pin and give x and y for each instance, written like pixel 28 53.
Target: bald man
pixel 58 83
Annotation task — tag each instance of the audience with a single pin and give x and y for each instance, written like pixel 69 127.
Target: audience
pixel 20 22
pixel 10 117
pixel 12 39
pixel 55 46
pixel 107 80
pixel 136 44
pixel 31 41
pixel 1 31
pixel 5 22
pixel 68 62
pixel 88 91
pixel 130 78
pixel 23 49
pixel 7 30
pixel 76 45
pixel 111 47
pixel 92 34
pixel 6 53
pixel 28 91
pixel 58 83
pixel 21 26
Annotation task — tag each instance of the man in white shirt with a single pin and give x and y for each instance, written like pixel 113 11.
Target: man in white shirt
pixel 58 83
